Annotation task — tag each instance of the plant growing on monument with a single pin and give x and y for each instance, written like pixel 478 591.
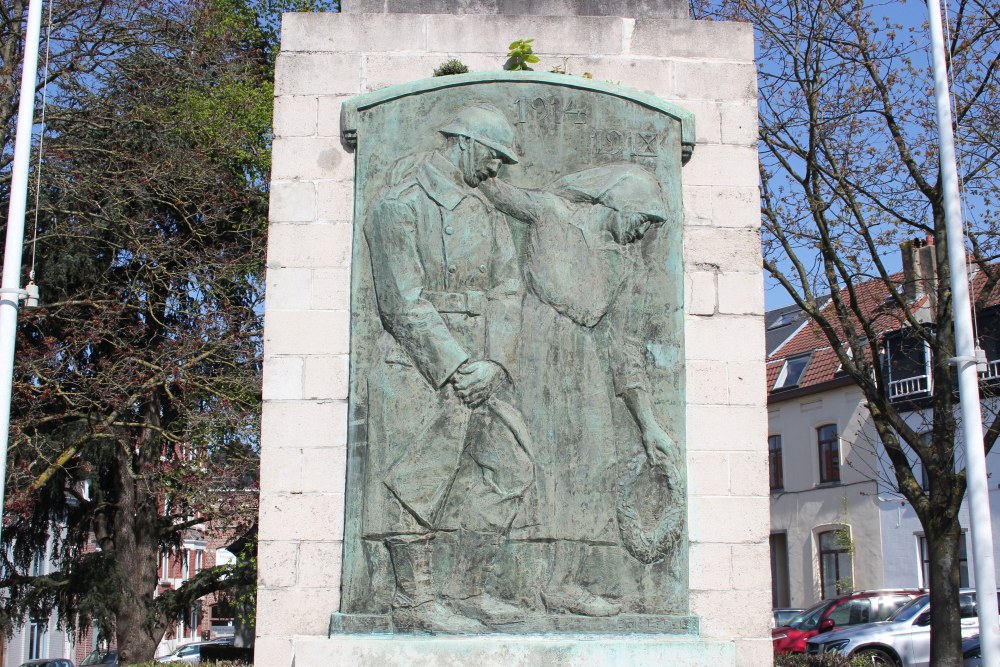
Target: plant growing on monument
pixel 453 66
pixel 520 55
pixel 849 169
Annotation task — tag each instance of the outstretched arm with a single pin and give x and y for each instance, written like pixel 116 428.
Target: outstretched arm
pixel 520 203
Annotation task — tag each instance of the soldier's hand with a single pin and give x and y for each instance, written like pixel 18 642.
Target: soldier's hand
pixel 476 381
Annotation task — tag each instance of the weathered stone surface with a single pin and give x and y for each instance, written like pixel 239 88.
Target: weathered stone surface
pixel 667 9
pixel 511 651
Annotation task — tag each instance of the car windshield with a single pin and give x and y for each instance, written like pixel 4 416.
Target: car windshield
pixel 810 618
pixel 99 658
pixel 910 609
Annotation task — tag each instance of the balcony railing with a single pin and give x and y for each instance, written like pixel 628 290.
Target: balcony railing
pixel 992 372
pixel 908 387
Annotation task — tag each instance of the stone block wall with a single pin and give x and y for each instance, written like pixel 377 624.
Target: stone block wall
pixel 706 67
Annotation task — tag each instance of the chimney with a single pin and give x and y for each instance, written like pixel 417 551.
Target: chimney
pixel 919 269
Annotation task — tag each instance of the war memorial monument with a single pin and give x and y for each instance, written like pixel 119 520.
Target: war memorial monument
pixel 513 375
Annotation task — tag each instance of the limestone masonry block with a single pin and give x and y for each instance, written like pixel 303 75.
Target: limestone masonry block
pixel 729 249
pixel 700 293
pixel 307 332
pixel 741 293
pixel 321 563
pixel 288 289
pixel 283 378
pixel 734 519
pixel 382 70
pixel 292 201
pixel 708 122
pixel 284 475
pixel 648 76
pixel 698 202
pixel 303 517
pixel 724 338
pixel 746 383
pixel 328 114
pixel 739 123
pixel 708 474
pixel 512 651
pixel 706 40
pixel 753 479
pixel 300 424
pixel 552 35
pixel 707 382
pixel 323 469
pixel 710 428
pixel 275 651
pixel 711 567
pixel 352 32
pixel 326 377
pixel 664 9
pixel 754 653
pixel 331 288
pixel 714 81
pixel 308 159
pixel 277 563
pixel 335 201
pixel 711 164
pixel 315 246
pixel 318 74
pixel 296 611
pixel 295 116
pixel 735 206
pixel 753 566
pixel 733 613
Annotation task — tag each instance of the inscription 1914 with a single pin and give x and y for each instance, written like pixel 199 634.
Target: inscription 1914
pixel 549 110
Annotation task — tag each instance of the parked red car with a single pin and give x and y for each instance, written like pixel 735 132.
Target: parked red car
pixel 852 609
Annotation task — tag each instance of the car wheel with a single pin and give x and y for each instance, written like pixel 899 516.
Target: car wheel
pixel 876 657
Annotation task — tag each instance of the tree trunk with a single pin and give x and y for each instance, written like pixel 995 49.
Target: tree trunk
pixel 136 538
pixel 943 533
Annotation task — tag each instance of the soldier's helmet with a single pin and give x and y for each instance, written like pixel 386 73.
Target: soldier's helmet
pixel 487 125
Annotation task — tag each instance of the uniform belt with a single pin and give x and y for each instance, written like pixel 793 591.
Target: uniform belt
pixel 470 303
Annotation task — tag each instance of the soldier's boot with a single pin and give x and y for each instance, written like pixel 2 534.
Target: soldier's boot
pixel 563 594
pixel 414 606
pixel 467 592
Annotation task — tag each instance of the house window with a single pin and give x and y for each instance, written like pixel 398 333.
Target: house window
pixel 925 562
pixel 908 364
pixel 792 372
pixel 37 635
pixel 989 339
pixel 829 453
pixel 835 563
pixel 774 462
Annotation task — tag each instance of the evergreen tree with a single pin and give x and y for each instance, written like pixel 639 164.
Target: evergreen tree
pixel 137 388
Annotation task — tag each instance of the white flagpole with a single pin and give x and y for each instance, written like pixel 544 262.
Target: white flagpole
pixel 10 288
pixel 968 376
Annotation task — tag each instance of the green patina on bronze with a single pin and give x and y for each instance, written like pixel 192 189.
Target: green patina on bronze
pixel 516 450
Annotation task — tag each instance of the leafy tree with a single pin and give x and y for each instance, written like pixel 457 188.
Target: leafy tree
pixel 849 169
pixel 137 389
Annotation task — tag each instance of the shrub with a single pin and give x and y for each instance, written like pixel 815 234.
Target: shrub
pixel 822 660
pixel 453 66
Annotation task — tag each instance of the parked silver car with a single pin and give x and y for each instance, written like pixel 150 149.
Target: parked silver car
pixel 904 640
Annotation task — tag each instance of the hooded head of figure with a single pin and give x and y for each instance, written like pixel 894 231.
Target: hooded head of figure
pixel 629 190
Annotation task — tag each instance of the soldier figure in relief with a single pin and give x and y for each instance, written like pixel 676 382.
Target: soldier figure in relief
pixel 447 451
